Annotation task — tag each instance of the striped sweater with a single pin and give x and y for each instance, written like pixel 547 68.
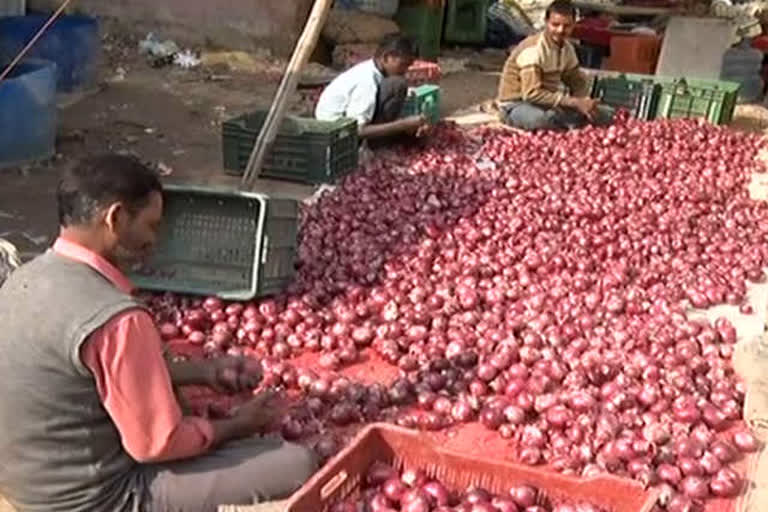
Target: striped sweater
pixel 541 72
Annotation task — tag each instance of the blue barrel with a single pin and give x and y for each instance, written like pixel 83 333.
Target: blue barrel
pixel 72 42
pixel 28 113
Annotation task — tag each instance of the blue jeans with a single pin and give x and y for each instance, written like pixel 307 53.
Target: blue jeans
pixel 528 116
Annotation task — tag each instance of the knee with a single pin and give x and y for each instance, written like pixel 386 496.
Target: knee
pixel 528 118
pixel 304 461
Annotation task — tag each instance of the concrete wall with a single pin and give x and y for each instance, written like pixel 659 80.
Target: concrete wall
pixel 236 24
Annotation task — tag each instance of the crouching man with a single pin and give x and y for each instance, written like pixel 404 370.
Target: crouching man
pixel 542 86
pixel 88 416
pixel 373 92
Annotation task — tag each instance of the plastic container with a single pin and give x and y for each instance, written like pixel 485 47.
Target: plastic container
pixel 714 100
pixel 305 150
pixel 423 72
pixel 234 245
pixel 633 54
pixel 424 24
pixel 72 42
pixel 638 95
pixel 28 113
pixel 342 477
pixel 466 21
pixel 385 8
pixel 425 100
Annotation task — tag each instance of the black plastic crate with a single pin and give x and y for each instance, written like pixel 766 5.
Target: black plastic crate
pixel 305 150
pixel 639 96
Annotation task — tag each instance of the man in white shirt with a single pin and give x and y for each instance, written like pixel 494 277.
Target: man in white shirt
pixel 374 92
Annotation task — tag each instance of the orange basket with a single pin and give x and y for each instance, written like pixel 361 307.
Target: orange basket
pixel 342 477
pixel 635 48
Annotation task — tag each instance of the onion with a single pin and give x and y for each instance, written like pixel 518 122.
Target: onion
pixel 745 441
pixel 524 495
pixel 394 489
pixel 694 487
pixel 438 493
pixel 726 483
pixel 724 451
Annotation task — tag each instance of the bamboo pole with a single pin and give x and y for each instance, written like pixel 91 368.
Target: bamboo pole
pixel 31 43
pixel 304 48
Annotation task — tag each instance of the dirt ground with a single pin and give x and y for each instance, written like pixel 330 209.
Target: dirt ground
pixel 167 116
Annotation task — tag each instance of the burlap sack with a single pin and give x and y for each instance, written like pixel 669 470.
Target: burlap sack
pixel 346 27
pixel 347 55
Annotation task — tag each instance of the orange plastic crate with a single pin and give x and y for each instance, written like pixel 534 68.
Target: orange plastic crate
pixel 342 476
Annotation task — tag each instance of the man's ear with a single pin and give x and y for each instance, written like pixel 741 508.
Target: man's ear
pixel 112 214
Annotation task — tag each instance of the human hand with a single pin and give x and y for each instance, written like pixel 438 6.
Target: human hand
pixel 586 106
pixel 231 374
pixel 424 129
pixel 256 414
pixel 412 124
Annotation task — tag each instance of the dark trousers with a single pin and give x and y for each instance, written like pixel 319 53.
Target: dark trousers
pixel 240 473
pixel 390 99
pixel 528 116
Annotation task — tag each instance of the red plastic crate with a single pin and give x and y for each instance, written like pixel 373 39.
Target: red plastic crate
pixel 342 476
pixel 423 72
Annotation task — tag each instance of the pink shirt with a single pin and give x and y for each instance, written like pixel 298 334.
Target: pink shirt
pixel 125 356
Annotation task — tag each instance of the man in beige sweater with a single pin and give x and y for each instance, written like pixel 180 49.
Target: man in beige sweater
pixel 542 86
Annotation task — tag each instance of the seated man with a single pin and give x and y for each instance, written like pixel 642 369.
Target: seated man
pixel 88 416
pixel 542 86
pixel 374 92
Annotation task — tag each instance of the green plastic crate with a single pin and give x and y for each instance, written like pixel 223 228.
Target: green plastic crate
pixel 424 24
pixel 231 244
pixel 305 150
pixel 638 94
pixel 424 99
pixel 714 100
pixel 466 21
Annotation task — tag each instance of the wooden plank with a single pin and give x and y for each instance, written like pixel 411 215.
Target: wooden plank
pixel 304 48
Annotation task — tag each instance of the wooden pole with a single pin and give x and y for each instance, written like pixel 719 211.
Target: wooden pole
pixel 31 43
pixel 304 48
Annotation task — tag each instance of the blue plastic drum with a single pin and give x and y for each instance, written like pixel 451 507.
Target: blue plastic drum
pixel 28 113
pixel 72 42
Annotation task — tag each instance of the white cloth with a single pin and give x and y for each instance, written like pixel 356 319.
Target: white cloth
pixel 352 94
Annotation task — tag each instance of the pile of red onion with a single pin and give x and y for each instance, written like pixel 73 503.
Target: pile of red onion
pixel 386 490
pixel 538 283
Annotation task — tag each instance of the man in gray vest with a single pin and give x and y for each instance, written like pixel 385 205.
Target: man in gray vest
pixel 89 420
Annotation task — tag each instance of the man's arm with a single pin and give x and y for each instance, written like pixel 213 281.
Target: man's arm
pixel 126 359
pixel 577 82
pixel 362 106
pixel 406 125
pixel 190 373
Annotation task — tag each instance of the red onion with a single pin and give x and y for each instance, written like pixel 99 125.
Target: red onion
pixel 745 441
pixel 524 495
pixel 726 483
pixel 694 487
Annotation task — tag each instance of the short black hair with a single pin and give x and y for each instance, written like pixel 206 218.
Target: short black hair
pixel 96 182
pixel 397 45
pixel 562 7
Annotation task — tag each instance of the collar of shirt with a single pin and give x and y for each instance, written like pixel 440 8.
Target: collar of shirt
pixel 77 252
pixel 549 45
pixel 377 73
